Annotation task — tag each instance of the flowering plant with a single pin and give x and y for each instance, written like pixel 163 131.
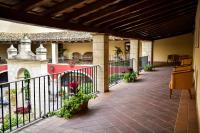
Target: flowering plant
pixel 73 87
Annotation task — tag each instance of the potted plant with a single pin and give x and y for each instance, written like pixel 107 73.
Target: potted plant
pixel 148 67
pixel 130 77
pixel 77 102
pixel 73 87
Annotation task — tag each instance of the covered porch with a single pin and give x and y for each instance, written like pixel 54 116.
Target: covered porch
pixel 142 106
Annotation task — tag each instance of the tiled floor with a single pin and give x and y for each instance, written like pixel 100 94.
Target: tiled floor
pixel 140 107
pixel 187 117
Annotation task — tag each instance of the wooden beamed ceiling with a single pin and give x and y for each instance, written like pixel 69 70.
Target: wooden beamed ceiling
pixel 141 19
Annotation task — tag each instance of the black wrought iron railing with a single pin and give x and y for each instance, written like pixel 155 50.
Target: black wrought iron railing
pixel 142 62
pixel 25 101
pixel 117 70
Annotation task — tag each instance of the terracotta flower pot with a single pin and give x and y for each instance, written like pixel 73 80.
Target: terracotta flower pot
pixel 84 107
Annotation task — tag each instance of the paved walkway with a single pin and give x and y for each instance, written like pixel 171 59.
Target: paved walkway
pixel 140 107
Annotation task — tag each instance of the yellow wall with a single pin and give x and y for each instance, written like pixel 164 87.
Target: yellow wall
pixel 83 47
pixel 77 47
pixel 180 45
pixel 112 45
pixel 196 64
pixel 3 50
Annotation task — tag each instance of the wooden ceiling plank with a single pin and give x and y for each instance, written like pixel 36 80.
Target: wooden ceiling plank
pixel 167 29
pixel 154 19
pixel 88 9
pixel 130 12
pixel 156 16
pixel 26 4
pixel 122 5
pixel 61 6
pixel 147 14
pixel 171 35
pixel 160 21
pixel 166 26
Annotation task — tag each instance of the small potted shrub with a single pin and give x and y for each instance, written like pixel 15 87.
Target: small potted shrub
pixel 148 68
pixel 130 77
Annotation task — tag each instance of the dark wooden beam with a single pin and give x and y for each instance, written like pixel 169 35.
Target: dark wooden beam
pixel 89 8
pixel 142 7
pixel 61 6
pixel 14 15
pixel 109 10
pixel 165 8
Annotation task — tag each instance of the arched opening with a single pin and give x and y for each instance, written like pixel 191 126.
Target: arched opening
pixel 85 82
pixel 25 74
pixel 87 56
pixel 76 56
pixel 3 77
pixel 75 76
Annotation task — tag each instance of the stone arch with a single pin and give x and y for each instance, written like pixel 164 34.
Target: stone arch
pixel 81 76
pixel 88 56
pixel 76 55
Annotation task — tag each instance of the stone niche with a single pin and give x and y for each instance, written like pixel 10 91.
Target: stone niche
pixel 37 65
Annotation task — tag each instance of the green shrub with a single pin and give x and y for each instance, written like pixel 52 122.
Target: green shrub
pixel 115 77
pixel 120 63
pixel 130 77
pixel 85 88
pixel 148 67
pixel 13 122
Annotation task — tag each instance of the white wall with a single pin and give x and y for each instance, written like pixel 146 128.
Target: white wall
pixel 196 57
pixel 12 27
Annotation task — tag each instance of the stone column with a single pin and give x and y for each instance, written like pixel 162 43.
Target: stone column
pixel 147 50
pixel 152 46
pixel 101 58
pixel 54 48
pixel 134 54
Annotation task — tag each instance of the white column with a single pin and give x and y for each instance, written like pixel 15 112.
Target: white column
pixel 101 58
pixel 134 54
pixel 54 48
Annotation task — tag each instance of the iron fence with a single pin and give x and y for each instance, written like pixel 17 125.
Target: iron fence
pixel 25 101
pixel 117 68
pixel 142 62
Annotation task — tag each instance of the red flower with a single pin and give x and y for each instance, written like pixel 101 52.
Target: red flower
pixel 73 85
